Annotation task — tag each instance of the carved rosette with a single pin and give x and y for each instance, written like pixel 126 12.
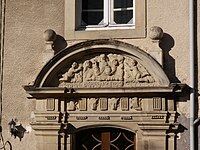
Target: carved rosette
pixel 106 70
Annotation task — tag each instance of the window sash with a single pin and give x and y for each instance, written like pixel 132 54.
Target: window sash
pixel 108 15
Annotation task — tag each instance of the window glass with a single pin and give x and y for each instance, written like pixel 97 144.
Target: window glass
pixel 92 4
pixel 92 12
pixel 123 11
pixel 123 3
pixel 107 12
pixel 123 17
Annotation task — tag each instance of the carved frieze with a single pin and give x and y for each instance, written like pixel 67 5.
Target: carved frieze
pixel 105 104
pixel 106 70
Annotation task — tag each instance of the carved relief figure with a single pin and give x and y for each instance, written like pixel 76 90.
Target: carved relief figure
pixel 135 72
pixel 135 103
pixel 74 74
pixel 93 103
pixel 71 105
pixel 88 70
pixel 106 67
pixel 120 69
pixel 114 103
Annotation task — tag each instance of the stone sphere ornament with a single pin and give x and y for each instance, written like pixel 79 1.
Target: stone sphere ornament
pixel 156 33
pixel 49 35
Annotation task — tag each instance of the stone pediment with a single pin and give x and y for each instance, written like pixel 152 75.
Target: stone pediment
pixel 107 70
pixel 102 64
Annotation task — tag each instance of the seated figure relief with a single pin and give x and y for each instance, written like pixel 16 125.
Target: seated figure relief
pixel 135 72
pixel 107 67
pixel 74 74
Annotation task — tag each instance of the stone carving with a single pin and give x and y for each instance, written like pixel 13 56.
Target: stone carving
pixel 106 70
pixel 83 104
pixel 93 103
pixel 124 103
pixel 72 105
pixel 157 103
pixel 50 104
pixel 135 103
pixel 74 74
pixel 135 72
pixel 81 117
pixel 114 103
pixel 105 104
pixel 104 118
pixel 126 118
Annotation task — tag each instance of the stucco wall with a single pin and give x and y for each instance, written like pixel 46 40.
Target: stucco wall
pixel 26 20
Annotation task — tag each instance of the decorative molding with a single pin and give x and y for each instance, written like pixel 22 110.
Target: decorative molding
pixel 51 117
pixel 82 104
pixel 104 118
pixel 50 104
pixel 81 117
pixel 105 104
pixel 126 118
pixel 157 103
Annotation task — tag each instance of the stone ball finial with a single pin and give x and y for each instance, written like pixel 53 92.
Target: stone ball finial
pixel 156 33
pixel 49 35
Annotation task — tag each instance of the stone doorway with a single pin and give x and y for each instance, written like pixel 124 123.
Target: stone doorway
pixel 100 83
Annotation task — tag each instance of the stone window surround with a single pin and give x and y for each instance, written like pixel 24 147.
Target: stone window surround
pixel 72 33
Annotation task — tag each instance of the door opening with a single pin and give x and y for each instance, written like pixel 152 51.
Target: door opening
pixel 105 138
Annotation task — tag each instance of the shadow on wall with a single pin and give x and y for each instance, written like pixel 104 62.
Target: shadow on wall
pixel 166 45
pixel 59 44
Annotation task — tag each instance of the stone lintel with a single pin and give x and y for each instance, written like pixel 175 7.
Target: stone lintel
pixel 46 92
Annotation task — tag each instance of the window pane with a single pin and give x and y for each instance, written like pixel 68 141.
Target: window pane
pixel 123 3
pixel 92 18
pixel 92 4
pixel 123 17
pixel 92 12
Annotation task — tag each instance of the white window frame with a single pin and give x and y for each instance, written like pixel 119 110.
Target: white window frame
pixel 108 16
pixel 74 32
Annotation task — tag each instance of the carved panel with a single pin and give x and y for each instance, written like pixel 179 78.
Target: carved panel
pixel 113 103
pixel 83 104
pixel 124 103
pixel 72 105
pixel 50 104
pixel 106 70
pixel 93 103
pixel 135 103
pixel 105 104
pixel 157 103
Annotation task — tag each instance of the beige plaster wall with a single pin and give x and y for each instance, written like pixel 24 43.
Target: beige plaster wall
pixel 26 20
